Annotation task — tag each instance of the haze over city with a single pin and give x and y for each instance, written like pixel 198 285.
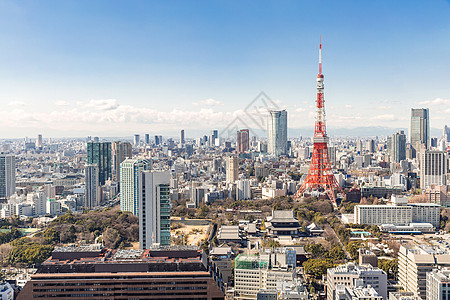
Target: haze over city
pixel 115 68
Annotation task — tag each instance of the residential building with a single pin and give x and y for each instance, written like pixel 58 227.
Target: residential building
pixel 357 293
pixel 6 291
pixel 232 171
pixel 414 262
pixel 222 262
pixel 120 151
pixel 433 168
pixel 367 257
pixel 154 209
pixel 352 275
pixel 7 175
pixel 130 171
pixel 277 133
pixel 100 154
pixel 243 189
pixel 39 141
pixel 92 196
pixel 242 141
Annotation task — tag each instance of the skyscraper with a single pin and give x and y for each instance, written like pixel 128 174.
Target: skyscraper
pixel 446 135
pixel 242 143
pixel 147 139
pixel 100 154
pixel 92 189
pixel 182 137
pixel 137 140
pixel 39 141
pixel 420 128
pixel 7 175
pixel 433 168
pixel 154 209
pixel 398 146
pixel 277 132
pixel 130 176
pixel 120 151
pixel 232 171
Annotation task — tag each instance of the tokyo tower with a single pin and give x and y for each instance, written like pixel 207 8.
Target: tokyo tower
pixel 320 177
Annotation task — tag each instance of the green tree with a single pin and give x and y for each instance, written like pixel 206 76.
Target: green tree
pixel 315 250
pixel 352 249
pixel 336 253
pixel 317 267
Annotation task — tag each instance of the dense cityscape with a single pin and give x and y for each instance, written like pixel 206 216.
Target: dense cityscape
pixel 241 207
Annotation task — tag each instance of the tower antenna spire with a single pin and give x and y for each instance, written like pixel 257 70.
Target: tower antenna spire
pixel 320 56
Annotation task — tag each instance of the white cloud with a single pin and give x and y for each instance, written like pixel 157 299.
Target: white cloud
pixel 348 106
pixel 61 103
pixel 300 109
pixel 16 103
pixel 207 102
pixel 437 101
pixel 384 107
pixel 385 117
pixel 106 104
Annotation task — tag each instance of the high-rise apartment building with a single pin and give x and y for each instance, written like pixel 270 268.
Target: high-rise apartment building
pixel 39 141
pixel 158 140
pixel 7 175
pixel 137 140
pixel 147 139
pixel 420 128
pixel 130 177
pixel 154 209
pixel 398 146
pixel 277 133
pixel 433 168
pixel 232 165
pixel 242 142
pixel 348 274
pixel 120 151
pixel 414 262
pixel 100 154
pixel 92 188
pixel 370 146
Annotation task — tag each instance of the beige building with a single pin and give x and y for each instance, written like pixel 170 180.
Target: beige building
pixel 413 264
pixel 232 171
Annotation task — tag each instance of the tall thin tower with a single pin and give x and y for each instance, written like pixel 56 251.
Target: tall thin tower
pixel 320 177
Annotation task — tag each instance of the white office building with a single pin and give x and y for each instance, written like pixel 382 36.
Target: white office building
pixel 243 189
pixel 232 171
pixel 130 170
pixel 277 132
pixel 253 273
pixel 438 284
pixel 154 209
pixel 433 168
pixel 352 275
pixel 398 214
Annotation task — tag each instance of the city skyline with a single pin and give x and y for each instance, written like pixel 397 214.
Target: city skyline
pixel 197 67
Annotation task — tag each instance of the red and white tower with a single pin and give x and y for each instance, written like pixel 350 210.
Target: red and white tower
pixel 320 177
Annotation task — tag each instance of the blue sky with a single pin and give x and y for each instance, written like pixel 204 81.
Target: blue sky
pixel 115 68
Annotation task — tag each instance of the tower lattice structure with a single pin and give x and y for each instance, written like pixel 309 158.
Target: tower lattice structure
pixel 320 176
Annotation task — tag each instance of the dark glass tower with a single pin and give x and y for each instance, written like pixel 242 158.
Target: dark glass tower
pixel 100 154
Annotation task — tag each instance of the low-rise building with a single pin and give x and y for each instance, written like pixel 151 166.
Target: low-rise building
pixel 282 223
pixel 352 275
pixel 438 284
pixel 414 262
